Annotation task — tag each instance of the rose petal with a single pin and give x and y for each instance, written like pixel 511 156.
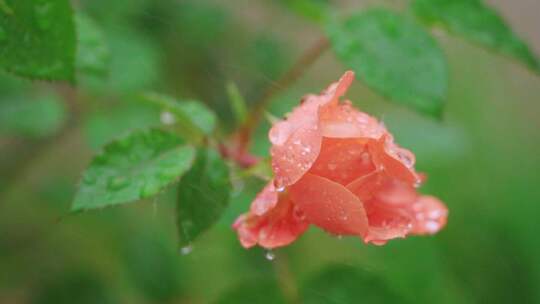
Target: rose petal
pixel 386 222
pixel 306 115
pixel 292 160
pixel 339 88
pixel 344 121
pixel 278 227
pixel 430 215
pixel 342 160
pixel 265 200
pixel 388 202
pixel 329 205
pixel 396 161
pixel 366 186
pixel 296 141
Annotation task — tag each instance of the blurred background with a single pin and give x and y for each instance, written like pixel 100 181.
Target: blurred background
pixel 482 159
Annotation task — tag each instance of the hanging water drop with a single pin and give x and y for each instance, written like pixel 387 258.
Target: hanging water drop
pixel 186 250
pixel 270 255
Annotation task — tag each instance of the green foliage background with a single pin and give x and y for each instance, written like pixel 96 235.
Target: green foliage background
pixel 481 157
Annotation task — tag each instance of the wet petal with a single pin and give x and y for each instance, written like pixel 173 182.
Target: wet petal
pixel 296 141
pixel 343 160
pixel 329 205
pixel 396 161
pixel 365 187
pixel 430 215
pixel 388 202
pixel 344 121
pixel 386 222
pixel 306 115
pixel 265 200
pixel 293 159
pixel 278 227
pixel 339 88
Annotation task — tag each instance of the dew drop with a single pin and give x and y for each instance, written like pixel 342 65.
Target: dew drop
pixel 432 226
pixel 270 255
pixel 280 189
pixel 186 249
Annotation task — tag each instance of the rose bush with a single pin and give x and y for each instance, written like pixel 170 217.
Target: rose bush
pixel 339 169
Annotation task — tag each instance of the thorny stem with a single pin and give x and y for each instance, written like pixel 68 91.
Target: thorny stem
pixel 295 72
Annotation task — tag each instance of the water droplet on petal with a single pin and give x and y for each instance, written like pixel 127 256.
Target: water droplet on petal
pixel 270 255
pixel 186 250
pixel 432 226
pixel 280 189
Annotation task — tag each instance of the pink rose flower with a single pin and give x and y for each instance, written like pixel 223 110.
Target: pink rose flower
pixel 339 169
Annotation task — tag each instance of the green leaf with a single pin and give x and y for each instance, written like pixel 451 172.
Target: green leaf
pixel 394 56
pixel 345 284
pixel 478 23
pixel 92 52
pixel 135 167
pixel 37 118
pixel 37 39
pixel 192 116
pixel 203 195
